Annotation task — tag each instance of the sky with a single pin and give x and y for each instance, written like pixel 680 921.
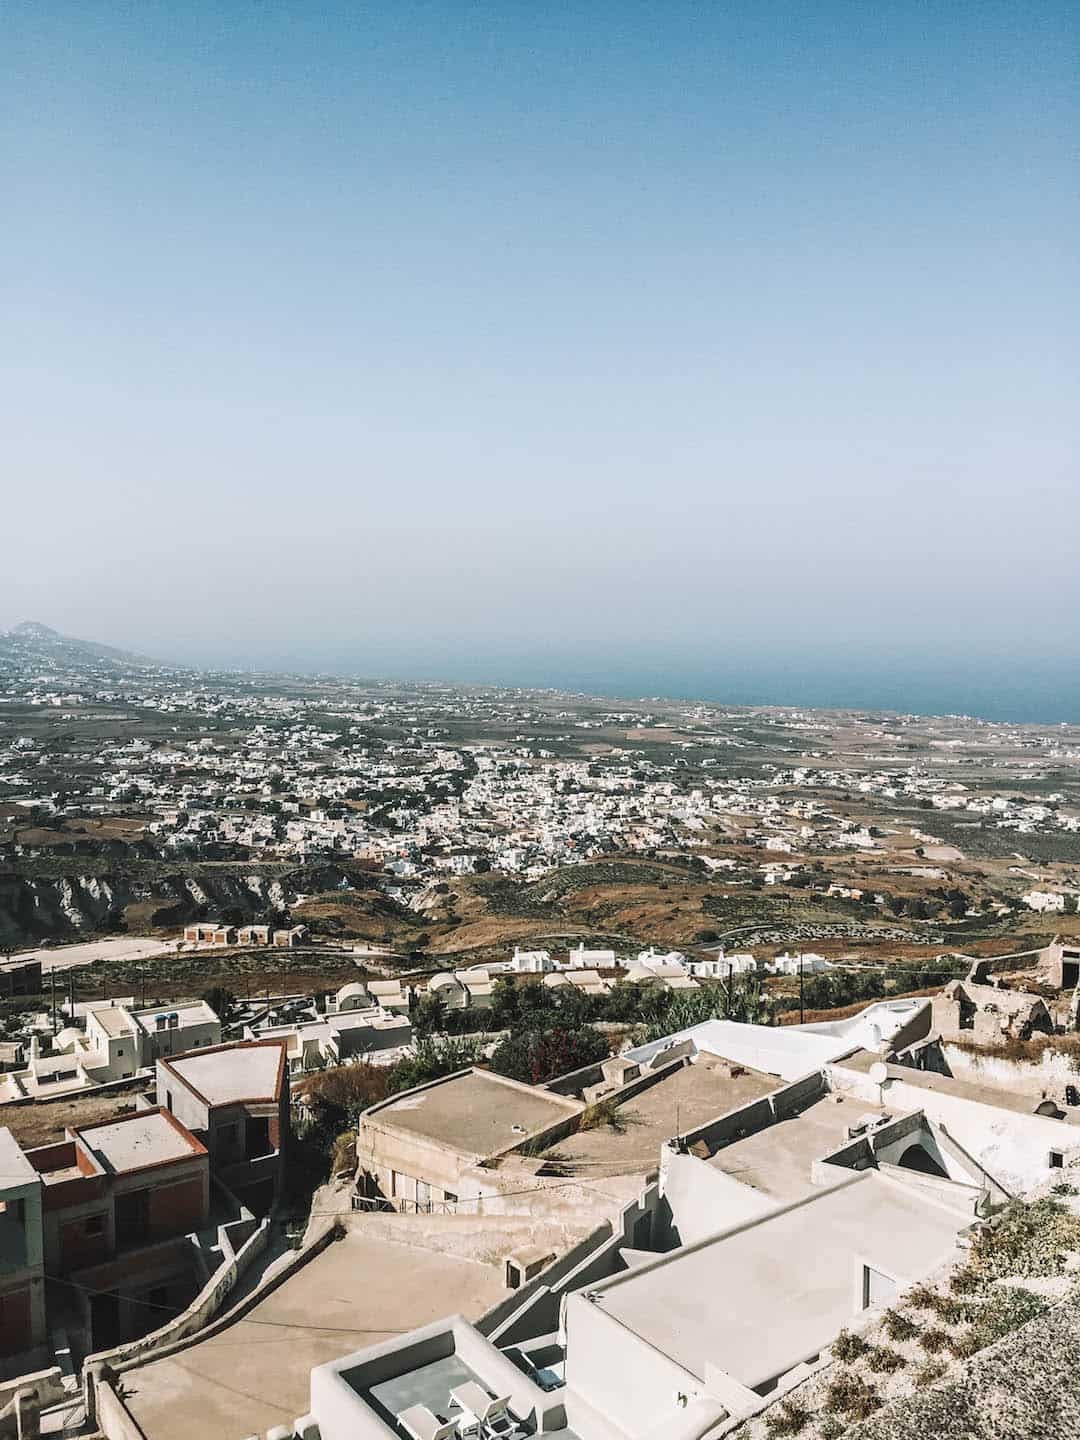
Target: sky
pixel 715 349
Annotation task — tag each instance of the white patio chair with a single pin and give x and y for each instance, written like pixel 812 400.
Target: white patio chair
pixel 423 1424
pixel 498 1423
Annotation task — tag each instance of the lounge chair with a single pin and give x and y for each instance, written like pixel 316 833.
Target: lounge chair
pixel 423 1424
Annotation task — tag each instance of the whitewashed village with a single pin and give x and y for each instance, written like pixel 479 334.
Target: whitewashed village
pixel 445 1065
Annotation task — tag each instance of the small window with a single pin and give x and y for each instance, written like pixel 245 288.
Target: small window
pixel 1057 1159
pixel 95 1225
pixel 120 1050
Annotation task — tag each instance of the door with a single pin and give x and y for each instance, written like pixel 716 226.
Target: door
pixel 132 1218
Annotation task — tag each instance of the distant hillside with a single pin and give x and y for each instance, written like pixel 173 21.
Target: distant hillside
pixel 32 645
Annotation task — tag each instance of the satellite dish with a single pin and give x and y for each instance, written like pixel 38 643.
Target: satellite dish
pixel 879 1073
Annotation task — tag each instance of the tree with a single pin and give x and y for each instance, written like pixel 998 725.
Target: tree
pixel 536 1056
pixel 339 1096
pixel 623 1005
pixel 221 1001
pixel 504 1003
pixel 433 1057
pixel 429 1017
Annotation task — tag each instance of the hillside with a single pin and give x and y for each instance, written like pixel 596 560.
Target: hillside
pixel 33 646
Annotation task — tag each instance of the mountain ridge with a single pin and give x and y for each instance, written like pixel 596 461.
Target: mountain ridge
pixel 32 642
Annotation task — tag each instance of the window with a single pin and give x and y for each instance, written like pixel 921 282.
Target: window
pixel 877 1288
pixel 120 1050
pixel 1057 1159
pixel 95 1225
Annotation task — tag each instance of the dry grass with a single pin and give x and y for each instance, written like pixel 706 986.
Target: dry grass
pixel 44 1123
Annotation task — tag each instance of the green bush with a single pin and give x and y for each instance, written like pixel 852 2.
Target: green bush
pixel 1027 1240
pixel 934 1340
pixel 964 1281
pixel 788 1418
pixel 898 1326
pixel 848 1346
pixel 922 1297
pixel 851 1395
pixel 830 1428
pixel 1006 1310
pixel 883 1360
pixel 930 1373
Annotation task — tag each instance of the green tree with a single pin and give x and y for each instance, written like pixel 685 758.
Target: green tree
pixel 536 1056
pixel 221 1001
pixel 429 1016
pixel 504 1003
pixel 433 1057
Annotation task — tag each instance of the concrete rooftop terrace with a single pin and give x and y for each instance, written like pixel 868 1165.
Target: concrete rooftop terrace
pixel 777 1159
pixel 227 1074
pixel 996 1095
pixel 15 1169
pixel 473 1112
pixel 255 1373
pixel 681 1101
pixel 761 1298
pixel 149 1137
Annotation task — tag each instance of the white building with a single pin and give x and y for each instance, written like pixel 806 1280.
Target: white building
pixel 582 959
pixel 532 962
pixel 1045 901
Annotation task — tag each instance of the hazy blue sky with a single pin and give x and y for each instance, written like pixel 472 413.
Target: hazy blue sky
pixel 701 345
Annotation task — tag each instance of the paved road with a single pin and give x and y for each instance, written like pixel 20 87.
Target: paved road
pixel 70 957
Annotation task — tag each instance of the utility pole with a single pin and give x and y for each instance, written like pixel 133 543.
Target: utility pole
pixel 52 974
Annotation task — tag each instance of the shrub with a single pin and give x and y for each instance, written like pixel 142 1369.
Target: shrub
pixel 830 1428
pixel 602 1113
pixel 930 1373
pixel 922 1297
pixel 1028 1240
pixel 957 1312
pixel 1064 1188
pixel 884 1360
pixel 1005 1311
pixel 934 1340
pixel 964 1281
pixel 851 1395
pixel 787 1418
pixel 898 1326
pixel 848 1346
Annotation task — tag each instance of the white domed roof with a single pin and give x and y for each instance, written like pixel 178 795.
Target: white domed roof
pixel 348 991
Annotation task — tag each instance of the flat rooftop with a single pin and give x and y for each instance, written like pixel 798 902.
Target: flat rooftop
pixel 15 1169
pixel 998 1096
pixel 228 1075
pixel 777 1159
pixel 761 1299
pixel 475 1113
pixel 195 1012
pixel 683 1100
pixel 255 1373
pixel 112 1020
pixel 150 1137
